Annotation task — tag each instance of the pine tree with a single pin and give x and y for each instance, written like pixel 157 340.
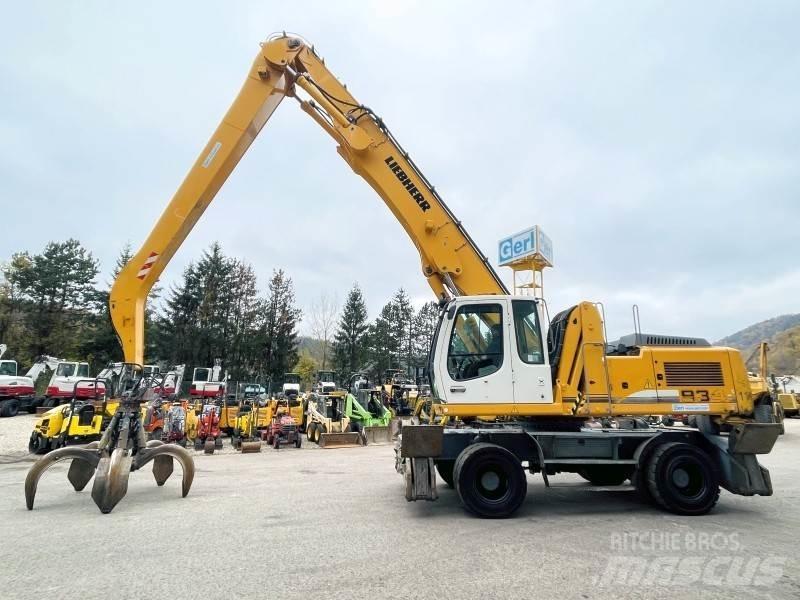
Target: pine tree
pixel 58 285
pixel 425 322
pixel 350 339
pixel 383 347
pixel 279 333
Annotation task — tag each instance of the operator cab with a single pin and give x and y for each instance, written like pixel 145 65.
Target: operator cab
pixel 8 368
pixel 490 350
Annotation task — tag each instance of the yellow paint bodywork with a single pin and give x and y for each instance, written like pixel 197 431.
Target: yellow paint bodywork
pixel 56 422
pixel 589 383
pixel 446 251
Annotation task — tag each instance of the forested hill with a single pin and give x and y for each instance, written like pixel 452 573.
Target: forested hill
pixel 783 336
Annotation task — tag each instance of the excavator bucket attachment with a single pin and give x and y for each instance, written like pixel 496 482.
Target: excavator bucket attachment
pixel 377 435
pixel 340 440
pixel 250 447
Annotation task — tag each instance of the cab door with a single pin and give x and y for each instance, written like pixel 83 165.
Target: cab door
pixel 475 368
pixel 532 378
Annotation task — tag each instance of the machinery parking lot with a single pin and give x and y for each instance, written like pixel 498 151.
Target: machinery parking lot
pixel 314 523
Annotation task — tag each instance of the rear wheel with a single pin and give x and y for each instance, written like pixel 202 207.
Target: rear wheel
pixel 10 408
pixel 490 481
pixel 605 474
pixel 682 479
pixel 445 470
pixel 298 440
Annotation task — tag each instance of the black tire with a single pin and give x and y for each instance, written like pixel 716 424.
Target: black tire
pixel 38 444
pixel 198 444
pixel 490 481
pixel 606 475
pixel 10 408
pixel 310 430
pixel 50 402
pixel 445 470
pixel 668 421
pixel 298 441
pixel 218 443
pixel 276 444
pixel 682 479
pixel 355 427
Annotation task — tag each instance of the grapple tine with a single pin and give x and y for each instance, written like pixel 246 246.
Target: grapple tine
pixel 82 455
pixel 80 472
pixel 111 480
pixel 166 452
pixel 162 468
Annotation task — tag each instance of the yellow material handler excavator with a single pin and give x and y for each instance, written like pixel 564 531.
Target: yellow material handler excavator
pixel 492 353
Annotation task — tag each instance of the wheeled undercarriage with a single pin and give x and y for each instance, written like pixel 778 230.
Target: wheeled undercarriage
pixel 679 469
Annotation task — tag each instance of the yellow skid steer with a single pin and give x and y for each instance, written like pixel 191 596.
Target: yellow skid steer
pixel 327 425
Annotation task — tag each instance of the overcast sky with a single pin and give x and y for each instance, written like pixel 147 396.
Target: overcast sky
pixel 657 143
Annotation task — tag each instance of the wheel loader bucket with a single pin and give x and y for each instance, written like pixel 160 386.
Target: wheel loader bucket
pixel 340 440
pixel 377 435
pixel 250 447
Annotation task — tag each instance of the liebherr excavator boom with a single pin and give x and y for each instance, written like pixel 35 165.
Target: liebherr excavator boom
pixel 489 355
pixel 287 66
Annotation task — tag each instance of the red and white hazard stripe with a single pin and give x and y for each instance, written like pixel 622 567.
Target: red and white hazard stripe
pixel 148 264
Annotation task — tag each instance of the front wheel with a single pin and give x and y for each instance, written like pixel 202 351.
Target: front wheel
pixel 38 444
pixel 490 481
pixel 682 479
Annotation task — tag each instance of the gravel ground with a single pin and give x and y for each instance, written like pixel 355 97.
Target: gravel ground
pixel 314 523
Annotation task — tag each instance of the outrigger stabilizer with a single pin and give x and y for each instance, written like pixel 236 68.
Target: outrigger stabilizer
pixel 123 448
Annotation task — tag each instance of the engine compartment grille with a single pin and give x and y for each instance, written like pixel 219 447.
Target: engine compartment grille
pixel 693 374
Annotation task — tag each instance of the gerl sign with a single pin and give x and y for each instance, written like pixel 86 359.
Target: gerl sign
pixel 526 244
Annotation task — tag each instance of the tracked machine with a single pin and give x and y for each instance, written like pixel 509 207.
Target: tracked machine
pixel 512 391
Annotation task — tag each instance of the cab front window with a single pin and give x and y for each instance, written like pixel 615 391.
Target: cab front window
pixel 476 343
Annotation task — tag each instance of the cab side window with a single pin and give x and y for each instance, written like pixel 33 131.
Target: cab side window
pixel 528 334
pixel 476 342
